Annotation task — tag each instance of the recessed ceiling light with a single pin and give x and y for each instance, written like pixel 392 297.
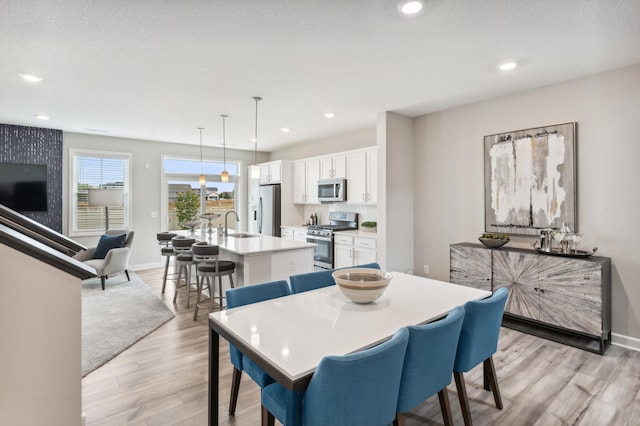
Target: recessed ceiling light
pixel 507 66
pixel 42 117
pixel 410 7
pixel 329 114
pixel 286 129
pixel 32 78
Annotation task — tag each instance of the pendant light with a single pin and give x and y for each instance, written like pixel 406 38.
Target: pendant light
pixel 201 180
pixel 254 170
pixel 224 176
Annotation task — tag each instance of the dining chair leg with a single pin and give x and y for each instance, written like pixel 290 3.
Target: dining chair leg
pixel 267 418
pixel 462 396
pixel 445 407
pixel 102 281
pixel 166 271
pixel 493 380
pixel 235 388
pixel 399 420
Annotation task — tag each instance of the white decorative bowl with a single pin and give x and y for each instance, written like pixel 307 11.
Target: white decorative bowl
pixel 362 285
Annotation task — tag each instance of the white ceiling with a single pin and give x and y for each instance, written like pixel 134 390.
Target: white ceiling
pixel 158 69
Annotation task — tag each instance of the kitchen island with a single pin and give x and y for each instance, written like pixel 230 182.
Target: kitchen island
pixel 259 258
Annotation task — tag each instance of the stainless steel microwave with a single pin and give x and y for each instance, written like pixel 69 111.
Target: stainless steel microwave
pixel 332 190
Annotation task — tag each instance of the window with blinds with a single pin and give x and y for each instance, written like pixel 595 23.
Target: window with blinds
pixel 100 199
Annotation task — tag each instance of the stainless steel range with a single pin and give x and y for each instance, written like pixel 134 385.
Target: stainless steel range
pixel 322 237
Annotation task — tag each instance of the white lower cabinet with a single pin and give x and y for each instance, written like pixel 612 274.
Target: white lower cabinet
pixel 300 235
pixel 349 250
pixel 286 233
pixel 291 233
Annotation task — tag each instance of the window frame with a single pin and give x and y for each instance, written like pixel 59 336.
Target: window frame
pixel 165 177
pixel 74 154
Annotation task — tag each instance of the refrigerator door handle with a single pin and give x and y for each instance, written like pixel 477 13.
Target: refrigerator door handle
pixel 260 216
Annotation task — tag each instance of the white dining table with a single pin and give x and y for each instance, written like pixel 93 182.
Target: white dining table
pixel 288 336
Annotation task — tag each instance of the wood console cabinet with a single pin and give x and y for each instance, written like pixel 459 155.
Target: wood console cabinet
pixel 560 298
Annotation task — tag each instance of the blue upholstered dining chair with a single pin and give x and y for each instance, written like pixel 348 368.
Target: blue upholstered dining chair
pixel 428 364
pixel 318 279
pixel 241 296
pixel 355 389
pixel 478 342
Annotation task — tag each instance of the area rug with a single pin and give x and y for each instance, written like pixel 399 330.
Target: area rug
pixel 116 318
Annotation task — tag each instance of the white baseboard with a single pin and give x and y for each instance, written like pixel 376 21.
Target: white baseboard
pixel 625 341
pixel 144 266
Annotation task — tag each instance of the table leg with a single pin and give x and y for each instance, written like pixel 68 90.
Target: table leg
pixel 293 401
pixel 214 376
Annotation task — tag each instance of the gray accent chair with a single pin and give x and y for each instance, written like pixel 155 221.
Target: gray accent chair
pixel 116 260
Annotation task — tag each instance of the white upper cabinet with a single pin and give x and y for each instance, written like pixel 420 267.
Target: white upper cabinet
pixel 305 181
pixel 271 172
pixel 333 167
pixel 372 176
pixel 359 167
pixel 312 175
pixel 299 183
pixel 362 177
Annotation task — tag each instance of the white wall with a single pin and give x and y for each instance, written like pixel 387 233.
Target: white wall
pixel 448 175
pixel 147 184
pixel 303 149
pixel 41 351
pixel 395 192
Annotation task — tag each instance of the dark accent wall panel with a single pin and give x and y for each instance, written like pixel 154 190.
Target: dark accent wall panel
pixel 34 145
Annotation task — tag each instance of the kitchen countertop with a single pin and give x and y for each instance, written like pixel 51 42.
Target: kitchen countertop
pixel 359 233
pixel 305 227
pixel 355 233
pixel 248 246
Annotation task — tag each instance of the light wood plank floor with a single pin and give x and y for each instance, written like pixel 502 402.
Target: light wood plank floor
pixel 162 380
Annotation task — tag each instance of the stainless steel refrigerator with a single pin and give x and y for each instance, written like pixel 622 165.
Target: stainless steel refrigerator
pixel 269 210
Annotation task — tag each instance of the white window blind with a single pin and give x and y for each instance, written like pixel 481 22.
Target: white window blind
pixel 100 191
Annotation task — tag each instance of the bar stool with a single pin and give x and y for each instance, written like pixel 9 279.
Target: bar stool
pixel 164 240
pixel 209 266
pixel 184 262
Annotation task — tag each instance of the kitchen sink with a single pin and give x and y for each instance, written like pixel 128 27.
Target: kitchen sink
pixel 242 235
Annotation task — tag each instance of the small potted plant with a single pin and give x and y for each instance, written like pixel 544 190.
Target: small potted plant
pixel 369 226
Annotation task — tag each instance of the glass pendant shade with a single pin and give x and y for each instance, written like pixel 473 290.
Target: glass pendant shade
pixel 224 176
pixel 202 180
pixel 254 171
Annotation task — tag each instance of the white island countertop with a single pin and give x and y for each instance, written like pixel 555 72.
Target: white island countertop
pixel 247 246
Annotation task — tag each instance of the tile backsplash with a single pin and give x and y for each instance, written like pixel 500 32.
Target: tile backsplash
pixel 364 212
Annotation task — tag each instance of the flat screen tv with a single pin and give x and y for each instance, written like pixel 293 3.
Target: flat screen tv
pixel 23 187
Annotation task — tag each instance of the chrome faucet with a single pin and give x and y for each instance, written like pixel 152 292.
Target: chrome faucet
pixel 226 227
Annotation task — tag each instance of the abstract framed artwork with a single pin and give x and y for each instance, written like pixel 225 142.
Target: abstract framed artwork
pixel 530 180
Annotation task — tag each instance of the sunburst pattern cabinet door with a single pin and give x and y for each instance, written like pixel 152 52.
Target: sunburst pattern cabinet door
pixel 571 294
pixel 470 266
pixel 519 273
